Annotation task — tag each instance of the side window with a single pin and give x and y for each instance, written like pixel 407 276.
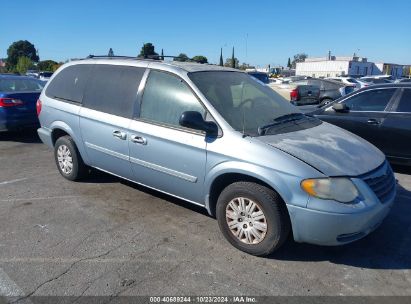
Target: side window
pixel 113 89
pixel 69 84
pixel 405 102
pixel 373 100
pixel 166 97
pixel 316 83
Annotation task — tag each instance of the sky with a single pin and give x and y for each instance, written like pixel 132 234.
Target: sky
pixel 262 32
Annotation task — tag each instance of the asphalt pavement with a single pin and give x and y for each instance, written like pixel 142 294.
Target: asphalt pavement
pixel 104 236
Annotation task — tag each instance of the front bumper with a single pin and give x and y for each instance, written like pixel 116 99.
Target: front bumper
pixel 326 228
pixel 326 222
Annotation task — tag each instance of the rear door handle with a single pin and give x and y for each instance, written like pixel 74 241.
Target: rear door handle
pixel 119 134
pixel 138 140
pixel 373 121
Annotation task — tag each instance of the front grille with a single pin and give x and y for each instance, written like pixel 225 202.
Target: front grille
pixel 382 182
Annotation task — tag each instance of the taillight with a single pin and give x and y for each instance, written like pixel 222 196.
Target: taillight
pixel 10 102
pixel 294 95
pixel 38 107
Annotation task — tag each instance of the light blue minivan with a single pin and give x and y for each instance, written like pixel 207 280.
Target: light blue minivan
pixel 220 139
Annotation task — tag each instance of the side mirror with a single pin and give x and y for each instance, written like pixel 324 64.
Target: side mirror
pixel 194 120
pixel 341 107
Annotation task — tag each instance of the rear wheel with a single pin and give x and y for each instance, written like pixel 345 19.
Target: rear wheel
pixel 253 218
pixel 68 159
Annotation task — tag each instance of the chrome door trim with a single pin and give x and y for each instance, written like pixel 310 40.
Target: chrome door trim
pixel 165 170
pixel 107 151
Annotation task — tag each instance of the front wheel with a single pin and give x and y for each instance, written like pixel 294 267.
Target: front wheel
pixel 253 218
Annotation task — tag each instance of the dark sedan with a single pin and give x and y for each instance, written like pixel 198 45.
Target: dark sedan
pixel 380 114
pixel 18 97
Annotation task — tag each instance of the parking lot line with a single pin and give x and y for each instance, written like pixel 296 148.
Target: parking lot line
pixel 12 181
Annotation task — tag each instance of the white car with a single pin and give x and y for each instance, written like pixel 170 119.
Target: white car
pixel 278 80
pixel 45 76
pixel 351 81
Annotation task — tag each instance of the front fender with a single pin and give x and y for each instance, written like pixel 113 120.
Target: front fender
pixel 285 184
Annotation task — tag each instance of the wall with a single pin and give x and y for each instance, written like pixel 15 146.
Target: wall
pixel 362 68
pixel 327 68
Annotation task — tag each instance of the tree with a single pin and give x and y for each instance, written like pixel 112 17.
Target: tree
pixel 56 66
pixel 23 64
pixel 245 66
pixel 233 63
pixel 200 59
pixel 289 63
pixel 46 65
pixel 221 58
pixel 147 50
pixel 298 58
pixel 21 48
pixel 229 62
pixel 110 52
pixel 181 57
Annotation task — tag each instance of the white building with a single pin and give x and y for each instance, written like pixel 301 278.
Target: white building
pixel 332 66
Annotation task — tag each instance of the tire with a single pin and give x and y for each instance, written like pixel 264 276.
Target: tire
pixel 268 202
pixel 68 159
pixel 326 101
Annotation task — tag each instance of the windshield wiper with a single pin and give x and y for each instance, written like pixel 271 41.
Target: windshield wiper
pixel 279 121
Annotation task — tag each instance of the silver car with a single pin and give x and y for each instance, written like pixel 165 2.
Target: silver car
pixel 220 139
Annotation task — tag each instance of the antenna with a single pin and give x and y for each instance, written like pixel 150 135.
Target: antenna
pixel 244 123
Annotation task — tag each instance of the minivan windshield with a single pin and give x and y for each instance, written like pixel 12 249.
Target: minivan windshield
pixel 246 104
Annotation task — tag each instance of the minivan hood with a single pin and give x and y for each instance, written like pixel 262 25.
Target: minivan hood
pixel 330 149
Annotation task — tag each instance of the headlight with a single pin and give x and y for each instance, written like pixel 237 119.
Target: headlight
pixel 339 189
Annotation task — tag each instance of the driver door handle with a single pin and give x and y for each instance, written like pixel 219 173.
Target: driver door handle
pixel 373 121
pixel 138 140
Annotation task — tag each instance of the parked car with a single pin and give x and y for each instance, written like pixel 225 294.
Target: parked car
pixel 263 77
pixel 329 89
pixel 45 76
pixel 278 81
pixel 403 80
pixel 386 77
pixel 351 81
pixel 215 137
pixel 305 95
pixel 32 73
pixel 374 80
pixel 18 96
pixel 380 114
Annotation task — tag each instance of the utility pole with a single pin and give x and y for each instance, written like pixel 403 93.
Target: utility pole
pixel 233 60
pixel 221 58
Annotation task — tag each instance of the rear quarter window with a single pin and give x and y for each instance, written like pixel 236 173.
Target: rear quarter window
pixel 113 89
pixel 69 84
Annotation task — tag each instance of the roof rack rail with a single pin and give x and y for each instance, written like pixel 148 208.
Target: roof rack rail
pixel 149 57
pixel 114 56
